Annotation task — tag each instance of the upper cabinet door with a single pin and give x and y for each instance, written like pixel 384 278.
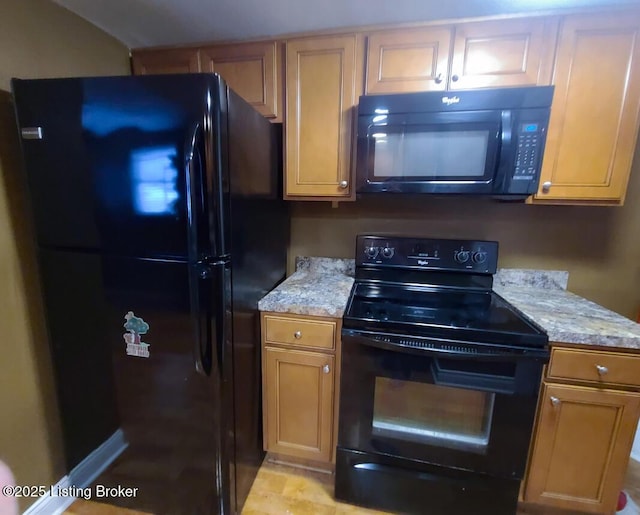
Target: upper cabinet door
pixel 324 82
pixel 404 61
pixel 160 62
pixel 594 117
pixel 253 70
pixel 514 52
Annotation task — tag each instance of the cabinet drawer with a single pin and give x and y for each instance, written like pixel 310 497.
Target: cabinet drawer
pixel 601 367
pixel 301 332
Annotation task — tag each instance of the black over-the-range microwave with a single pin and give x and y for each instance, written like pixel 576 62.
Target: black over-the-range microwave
pixel 481 142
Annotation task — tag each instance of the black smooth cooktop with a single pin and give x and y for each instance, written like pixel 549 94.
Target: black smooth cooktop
pixel 439 289
pixel 463 315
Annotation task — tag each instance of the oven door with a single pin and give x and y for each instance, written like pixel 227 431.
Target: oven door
pixel 449 409
pixel 453 152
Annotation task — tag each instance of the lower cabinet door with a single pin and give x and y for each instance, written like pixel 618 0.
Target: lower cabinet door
pixel 298 403
pixel 582 447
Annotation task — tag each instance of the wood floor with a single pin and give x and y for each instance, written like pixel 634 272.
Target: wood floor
pixel 280 489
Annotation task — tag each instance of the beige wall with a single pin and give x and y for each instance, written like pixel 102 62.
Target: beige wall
pixel 599 246
pixel 41 39
pixel 37 39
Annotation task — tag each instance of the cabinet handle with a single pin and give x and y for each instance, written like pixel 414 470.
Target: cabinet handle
pixel 325 369
pixel 343 185
pixel 438 79
pixel 454 78
pixel 297 335
pixel 602 370
pixel 555 401
pixel 546 186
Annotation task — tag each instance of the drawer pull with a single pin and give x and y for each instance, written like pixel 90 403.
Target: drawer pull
pixel 297 335
pixel 555 401
pixel 602 370
pixel 325 369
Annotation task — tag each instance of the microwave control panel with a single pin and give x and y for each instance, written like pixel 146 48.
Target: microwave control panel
pixel 528 151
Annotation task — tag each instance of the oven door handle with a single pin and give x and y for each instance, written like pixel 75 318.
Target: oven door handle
pixel 369 340
pixel 475 380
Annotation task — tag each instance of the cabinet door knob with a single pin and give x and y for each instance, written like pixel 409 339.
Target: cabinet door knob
pixel 297 335
pixel 438 79
pixel 454 78
pixel 602 370
pixel 546 186
pixel 325 369
pixel 555 401
pixel 343 185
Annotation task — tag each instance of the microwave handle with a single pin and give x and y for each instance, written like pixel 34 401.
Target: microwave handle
pixel 507 128
pixel 504 163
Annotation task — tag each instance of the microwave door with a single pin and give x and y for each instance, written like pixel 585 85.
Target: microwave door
pixel 430 153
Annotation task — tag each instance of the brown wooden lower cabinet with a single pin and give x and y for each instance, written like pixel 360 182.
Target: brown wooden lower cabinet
pixel 299 398
pixel 299 386
pixel 583 439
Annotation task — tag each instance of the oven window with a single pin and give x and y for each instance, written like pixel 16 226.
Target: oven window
pixel 443 416
pixel 452 154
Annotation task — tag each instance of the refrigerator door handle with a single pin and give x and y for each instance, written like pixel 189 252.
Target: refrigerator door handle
pixel 222 315
pixel 210 310
pixel 199 270
pixel 195 196
pixel 199 274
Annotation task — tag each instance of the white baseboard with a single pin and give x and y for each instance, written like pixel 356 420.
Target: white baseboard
pixel 80 477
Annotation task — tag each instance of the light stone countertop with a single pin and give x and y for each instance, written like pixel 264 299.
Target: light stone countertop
pixel 568 318
pixel 321 287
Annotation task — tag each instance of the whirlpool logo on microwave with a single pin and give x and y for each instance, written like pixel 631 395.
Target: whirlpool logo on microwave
pixel 450 100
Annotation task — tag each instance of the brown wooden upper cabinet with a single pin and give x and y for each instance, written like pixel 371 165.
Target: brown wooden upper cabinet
pixel 501 53
pixel 253 70
pixel 404 61
pixel 323 85
pixel 159 62
pixel 595 113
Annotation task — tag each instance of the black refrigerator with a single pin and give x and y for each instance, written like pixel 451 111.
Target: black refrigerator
pixel 157 208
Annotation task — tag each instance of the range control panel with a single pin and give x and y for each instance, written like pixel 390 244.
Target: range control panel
pixel 474 256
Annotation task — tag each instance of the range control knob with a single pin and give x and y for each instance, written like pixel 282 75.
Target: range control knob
pixel 371 252
pixel 462 256
pixel 479 257
pixel 388 252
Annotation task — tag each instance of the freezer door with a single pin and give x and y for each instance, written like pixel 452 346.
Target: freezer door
pixel 106 160
pixel 135 318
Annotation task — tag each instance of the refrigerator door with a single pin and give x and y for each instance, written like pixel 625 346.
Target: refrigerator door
pixel 106 161
pixel 136 315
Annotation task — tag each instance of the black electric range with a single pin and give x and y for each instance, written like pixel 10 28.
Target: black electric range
pixel 440 378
